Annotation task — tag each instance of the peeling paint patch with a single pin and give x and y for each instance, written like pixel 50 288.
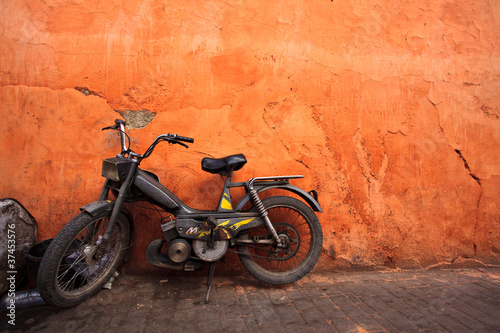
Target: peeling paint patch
pixel 137 118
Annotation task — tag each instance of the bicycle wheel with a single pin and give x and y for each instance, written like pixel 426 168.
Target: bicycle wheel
pixel 70 271
pixel 300 231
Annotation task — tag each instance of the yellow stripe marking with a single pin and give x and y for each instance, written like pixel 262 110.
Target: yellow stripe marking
pixel 241 223
pixel 225 204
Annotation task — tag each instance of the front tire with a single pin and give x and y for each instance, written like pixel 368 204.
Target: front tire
pixel 299 228
pixel 70 273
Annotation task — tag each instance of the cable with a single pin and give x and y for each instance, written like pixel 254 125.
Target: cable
pixel 126 135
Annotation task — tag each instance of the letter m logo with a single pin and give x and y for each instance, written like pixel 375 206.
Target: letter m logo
pixel 192 230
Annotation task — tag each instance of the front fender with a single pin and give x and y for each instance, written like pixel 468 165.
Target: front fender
pixel 97 207
pixel 289 187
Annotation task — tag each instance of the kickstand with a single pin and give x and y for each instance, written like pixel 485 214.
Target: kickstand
pixel 209 282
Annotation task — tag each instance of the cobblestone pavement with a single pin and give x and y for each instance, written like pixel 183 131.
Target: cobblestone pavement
pixel 453 300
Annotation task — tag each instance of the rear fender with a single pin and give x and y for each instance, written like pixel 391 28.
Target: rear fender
pixel 97 207
pixel 311 201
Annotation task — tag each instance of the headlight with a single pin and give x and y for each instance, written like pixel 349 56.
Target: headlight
pixel 116 168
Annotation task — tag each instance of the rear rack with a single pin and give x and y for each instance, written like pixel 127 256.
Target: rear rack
pixel 273 180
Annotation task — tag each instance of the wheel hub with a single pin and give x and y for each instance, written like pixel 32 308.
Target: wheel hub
pixel 89 251
pixel 289 237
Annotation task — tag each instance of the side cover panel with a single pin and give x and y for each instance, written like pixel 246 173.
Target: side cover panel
pixel 225 229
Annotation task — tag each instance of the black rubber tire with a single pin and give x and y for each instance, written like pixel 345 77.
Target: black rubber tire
pixel 67 278
pixel 296 220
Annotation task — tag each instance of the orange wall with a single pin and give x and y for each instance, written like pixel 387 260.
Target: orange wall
pixel 391 110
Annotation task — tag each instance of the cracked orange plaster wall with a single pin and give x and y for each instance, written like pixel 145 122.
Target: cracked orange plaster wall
pixel 390 109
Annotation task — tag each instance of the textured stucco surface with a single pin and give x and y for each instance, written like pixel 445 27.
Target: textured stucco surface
pixel 390 109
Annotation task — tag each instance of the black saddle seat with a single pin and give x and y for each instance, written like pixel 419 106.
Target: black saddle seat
pixel 225 165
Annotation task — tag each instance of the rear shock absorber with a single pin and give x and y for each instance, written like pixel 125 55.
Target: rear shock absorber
pixel 254 197
pixel 257 202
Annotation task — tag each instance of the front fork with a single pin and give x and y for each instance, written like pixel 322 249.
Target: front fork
pixel 122 194
pixel 254 197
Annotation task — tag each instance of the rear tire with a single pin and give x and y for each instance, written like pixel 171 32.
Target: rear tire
pixel 298 226
pixel 69 272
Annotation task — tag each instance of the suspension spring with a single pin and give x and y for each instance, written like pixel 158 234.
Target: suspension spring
pixel 254 197
pixel 257 202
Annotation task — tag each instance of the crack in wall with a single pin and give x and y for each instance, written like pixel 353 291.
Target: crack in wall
pixel 268 108
pixel 375 181
pixel 135 119
pixel 290 154
pixel 457 151
pixel 466 165
pixel 468 169
pixel 86 91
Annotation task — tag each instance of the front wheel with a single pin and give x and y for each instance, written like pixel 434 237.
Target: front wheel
pixel 71 271
pixel 299 230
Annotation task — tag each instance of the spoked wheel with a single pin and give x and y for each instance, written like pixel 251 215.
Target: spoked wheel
pixel 299 231
pixel 73 269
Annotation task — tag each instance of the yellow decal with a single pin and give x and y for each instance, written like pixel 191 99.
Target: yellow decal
pixel 241 223
pixel 225 204
pixel 228 235
pixel 223 224
pixel 204 233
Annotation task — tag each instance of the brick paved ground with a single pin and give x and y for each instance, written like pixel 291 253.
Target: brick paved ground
pixel 458 300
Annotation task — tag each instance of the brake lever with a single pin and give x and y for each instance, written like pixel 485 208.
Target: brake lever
pixel 178 142
pixel 171 140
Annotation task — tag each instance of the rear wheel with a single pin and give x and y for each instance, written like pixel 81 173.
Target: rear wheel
pixel 300 232
pixel 71 271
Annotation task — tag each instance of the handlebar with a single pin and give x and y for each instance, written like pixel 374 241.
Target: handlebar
pixel 171 138
pixel 121 125
pixel 181 138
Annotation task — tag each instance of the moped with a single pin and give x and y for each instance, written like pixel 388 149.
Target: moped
pixel 278 239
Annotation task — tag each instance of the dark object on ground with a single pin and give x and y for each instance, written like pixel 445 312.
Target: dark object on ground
pixel 18 231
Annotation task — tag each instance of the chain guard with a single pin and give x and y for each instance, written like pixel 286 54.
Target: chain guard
pixel 288 235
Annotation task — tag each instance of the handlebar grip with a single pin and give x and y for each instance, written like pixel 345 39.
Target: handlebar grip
pixel 183 138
